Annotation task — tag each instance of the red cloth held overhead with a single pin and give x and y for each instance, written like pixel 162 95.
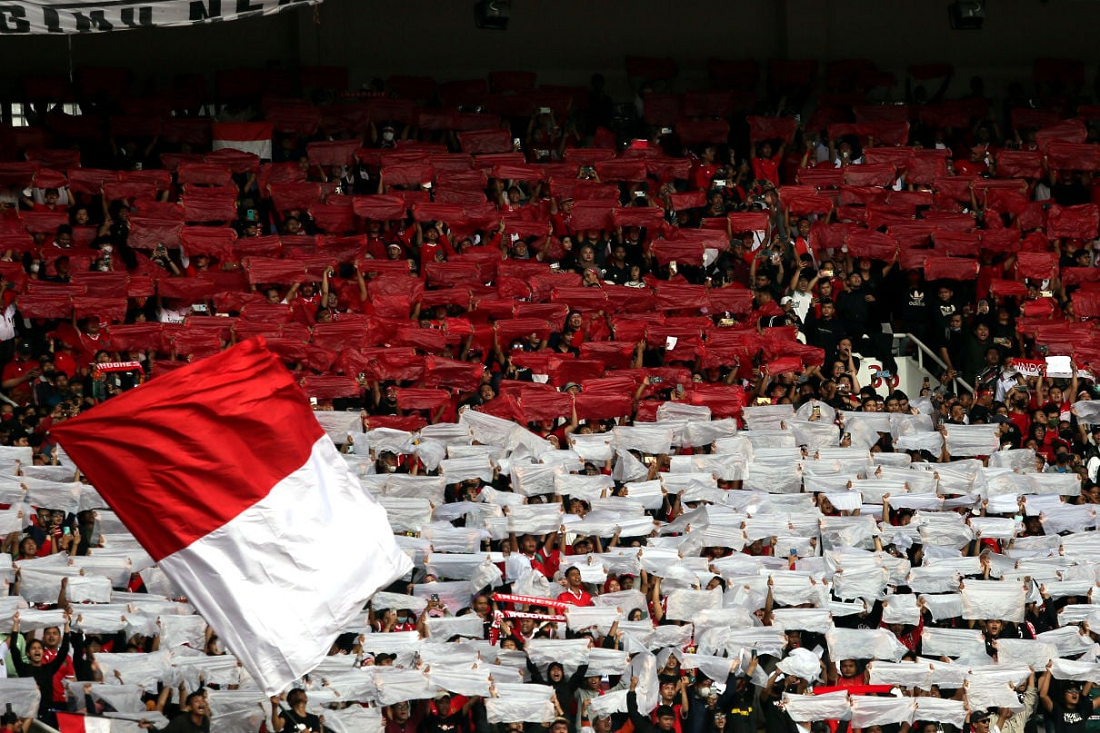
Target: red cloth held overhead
pixel 770 128
pixel 1075 222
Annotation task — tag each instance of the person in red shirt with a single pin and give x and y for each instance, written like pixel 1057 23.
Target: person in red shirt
pixel 850 676
pixel 575 594
pixel 18 374
pixel 765 164
pixel 433 243
pixel 703 173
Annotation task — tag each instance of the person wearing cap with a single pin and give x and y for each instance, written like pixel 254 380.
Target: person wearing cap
pixel 1069 713
pixel 446 717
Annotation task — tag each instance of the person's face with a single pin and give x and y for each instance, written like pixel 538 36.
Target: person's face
pixel 28 547
pixel 556 674
pixel 401 712
pixel 51 637
pixel 994 627
pixel 627 583
pixel 848 668
pixel 982 332
pixel 35 651
pixel 528 544
pixel 855 281
pixel 481 605
pixel 665 722
pixel 593 683
pixel 272 296
pixel 955 322
pixel 828 309
pixel 574 578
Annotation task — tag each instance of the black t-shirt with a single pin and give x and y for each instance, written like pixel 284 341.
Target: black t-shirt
pixel 453 723
pixel 292 721
pixel 1071 721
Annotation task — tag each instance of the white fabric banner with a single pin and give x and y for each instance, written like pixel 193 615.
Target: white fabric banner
pixel 28 17
pixel 830 706
pixel 993 599
pixel 868 711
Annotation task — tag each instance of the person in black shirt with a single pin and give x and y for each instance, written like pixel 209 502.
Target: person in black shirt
pixel 617 268
pixel 825 332
pixel 293 720
pixel 42 671
pixel 1069 714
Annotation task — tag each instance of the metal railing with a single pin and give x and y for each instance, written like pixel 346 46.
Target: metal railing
pixel 923 353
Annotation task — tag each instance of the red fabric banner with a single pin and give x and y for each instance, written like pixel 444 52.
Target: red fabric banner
pixel 949 268
pixel 205 174
pixel 692 132
pixel 1073 156
pixel 771 128
pixel 332 152
pixel 485 141
pixel 210 204
pixel 1074 222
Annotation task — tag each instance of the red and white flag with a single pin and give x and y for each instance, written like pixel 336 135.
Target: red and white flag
pixel 72 723
pixel 226 478
pixel 251 137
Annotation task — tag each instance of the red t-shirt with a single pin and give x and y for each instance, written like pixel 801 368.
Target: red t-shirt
pixel 584 599
pixel 21 392
pixel 66 671
pixel 766 169
pixel 702 176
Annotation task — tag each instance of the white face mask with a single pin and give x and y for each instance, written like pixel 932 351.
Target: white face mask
pixel 704 692
pixel 387 135
pixel 34 267
pixel 106 249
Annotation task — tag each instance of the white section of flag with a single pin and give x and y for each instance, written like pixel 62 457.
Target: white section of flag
pixel 276 576
pixel 249 137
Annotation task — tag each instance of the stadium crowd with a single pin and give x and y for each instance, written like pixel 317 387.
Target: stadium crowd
pixel 599 364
